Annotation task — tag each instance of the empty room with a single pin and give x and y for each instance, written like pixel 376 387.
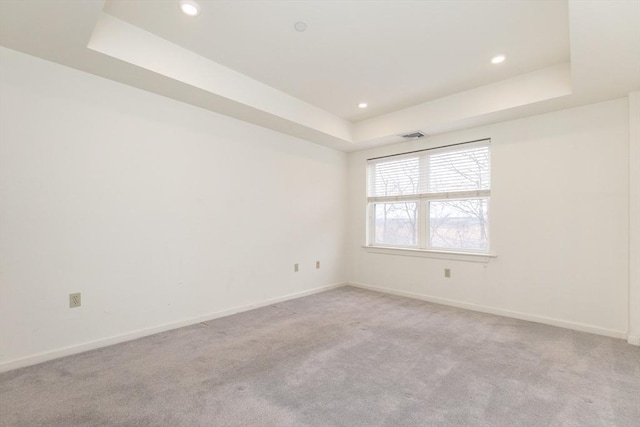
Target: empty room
pixel 320 213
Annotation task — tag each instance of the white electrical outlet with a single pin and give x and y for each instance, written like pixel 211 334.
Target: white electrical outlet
pixel 75 300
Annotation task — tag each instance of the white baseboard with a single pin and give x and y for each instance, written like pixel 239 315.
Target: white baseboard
pixel 633 340
pixel 92 345
pixel 500 312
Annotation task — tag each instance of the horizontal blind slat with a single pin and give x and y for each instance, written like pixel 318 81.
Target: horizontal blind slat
pixel 431 196
pixel 430 174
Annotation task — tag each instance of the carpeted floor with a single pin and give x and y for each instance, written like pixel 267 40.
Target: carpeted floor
pixel 346 357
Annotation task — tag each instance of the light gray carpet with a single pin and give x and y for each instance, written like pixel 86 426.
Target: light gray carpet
pixel 347 357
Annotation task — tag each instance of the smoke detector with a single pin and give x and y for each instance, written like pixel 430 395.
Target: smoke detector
pixel 414 135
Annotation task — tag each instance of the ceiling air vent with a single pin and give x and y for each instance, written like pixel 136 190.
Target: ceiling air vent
pixel 414 135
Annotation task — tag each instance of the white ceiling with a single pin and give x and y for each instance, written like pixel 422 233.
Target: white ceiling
pixel 419 64
pixel 392 54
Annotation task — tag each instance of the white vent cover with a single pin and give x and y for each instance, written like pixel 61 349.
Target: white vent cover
pixel 414 135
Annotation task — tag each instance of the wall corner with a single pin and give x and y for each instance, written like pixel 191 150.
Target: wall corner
pixel 634 218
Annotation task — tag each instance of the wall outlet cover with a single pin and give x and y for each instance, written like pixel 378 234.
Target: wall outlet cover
pixel 75 300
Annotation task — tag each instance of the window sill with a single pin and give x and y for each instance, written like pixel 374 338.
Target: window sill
pixel 430 253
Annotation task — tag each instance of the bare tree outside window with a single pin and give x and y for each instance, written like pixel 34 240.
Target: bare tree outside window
pixel 461 223
pixel 395 223
pixel 444 192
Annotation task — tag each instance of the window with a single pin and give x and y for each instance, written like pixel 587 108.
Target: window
pixel 435 199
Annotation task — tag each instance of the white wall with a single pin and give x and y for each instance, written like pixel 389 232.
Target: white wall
pixel 160 213
pixel 559 224
pixel 139 202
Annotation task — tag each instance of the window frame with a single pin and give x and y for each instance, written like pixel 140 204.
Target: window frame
pixel 372 231
pixel 423 217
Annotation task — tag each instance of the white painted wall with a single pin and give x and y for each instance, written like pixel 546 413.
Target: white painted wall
pixel 559 224
pixel 160 213
pixel 139 202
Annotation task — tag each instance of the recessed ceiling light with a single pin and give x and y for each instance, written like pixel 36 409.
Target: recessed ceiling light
pixel 363 105
pixel 498 59
pixel 189 7
pixel 300 26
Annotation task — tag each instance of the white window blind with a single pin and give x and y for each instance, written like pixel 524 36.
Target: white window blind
pixel 435 198
pixel 439 173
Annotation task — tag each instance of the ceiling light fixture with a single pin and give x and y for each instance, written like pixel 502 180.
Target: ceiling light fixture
pixel 189 7
pixel 363 105
pixel 498 59
pixel 300 26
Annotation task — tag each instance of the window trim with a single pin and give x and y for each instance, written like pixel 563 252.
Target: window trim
pixel 458 255
pixel 423 200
